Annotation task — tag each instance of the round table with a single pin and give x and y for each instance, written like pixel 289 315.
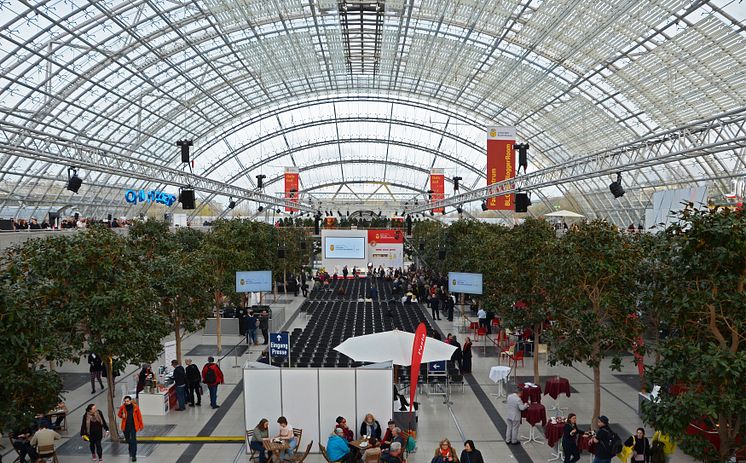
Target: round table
pixel 534 414
pixel 553 432
pixel 531 393
pixel 556 386
pixel 499 375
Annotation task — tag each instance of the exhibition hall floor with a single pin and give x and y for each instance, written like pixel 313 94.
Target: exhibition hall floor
pixel 474 414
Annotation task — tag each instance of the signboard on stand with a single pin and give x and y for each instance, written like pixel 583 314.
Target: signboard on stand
pixel 436 368
pixel 279 344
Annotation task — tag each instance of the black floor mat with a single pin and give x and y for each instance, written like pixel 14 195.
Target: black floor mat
pixel 632 381
pixel 203 350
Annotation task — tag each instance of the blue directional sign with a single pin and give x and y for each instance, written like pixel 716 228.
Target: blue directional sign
pixel 436 368
pixel 279 344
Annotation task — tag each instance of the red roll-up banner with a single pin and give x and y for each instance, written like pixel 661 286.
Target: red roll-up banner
pixel 500 164
pixel 291 188
pixel 438 185
pixel 418 349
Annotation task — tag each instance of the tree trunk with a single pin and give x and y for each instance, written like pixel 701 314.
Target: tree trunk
pixel 726 443
pixel 596 385
pixel 177 334
pixel 537 332
pixel 113 428
pixel 218 307
pixel 285 281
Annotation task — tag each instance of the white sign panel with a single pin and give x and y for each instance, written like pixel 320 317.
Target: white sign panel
pixel 340 247
pixel 252 282
pixel 469 283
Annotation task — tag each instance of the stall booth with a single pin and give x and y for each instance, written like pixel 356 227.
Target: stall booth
pixel 312 398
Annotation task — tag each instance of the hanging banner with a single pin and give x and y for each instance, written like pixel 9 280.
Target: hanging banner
pixel 291 187
pixel 437 184
pixel 418 349
pixel 500 164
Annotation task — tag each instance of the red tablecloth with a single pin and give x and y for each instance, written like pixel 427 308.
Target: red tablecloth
pixel 534 414
pixel 553 432
pixel 584 443
pixel 531 394
pixel 556 386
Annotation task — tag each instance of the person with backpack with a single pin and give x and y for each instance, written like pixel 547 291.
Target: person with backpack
pixel 212 376
pixel 640 447
pixel 608 443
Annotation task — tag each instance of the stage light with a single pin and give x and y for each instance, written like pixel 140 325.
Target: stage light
pixel 522 201
pixel 455 183
pixel 379 213
pixel 73 181
pixel 184 145
pixel 522 149
pixel 278 210
pixel 616 187
pixel 231 204
pixel 459 209
pixel 261 208
pixel 484 205
pixel 260 181
pixel 430 195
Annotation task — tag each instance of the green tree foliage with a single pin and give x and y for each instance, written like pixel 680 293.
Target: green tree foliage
pixel 178 272
pixel 592 294
pixel 517 280
pixel 428 237
pixel 702 289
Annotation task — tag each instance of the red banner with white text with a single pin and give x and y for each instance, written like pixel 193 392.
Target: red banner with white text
pixel 418 350
pixel 437 184
pixel 500 164
pixel 291 189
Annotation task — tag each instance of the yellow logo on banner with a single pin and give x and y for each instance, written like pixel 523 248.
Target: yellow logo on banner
pixel 378 236
pixel 243 282
pixel 454 282
pixel 331 247
pixel 493 133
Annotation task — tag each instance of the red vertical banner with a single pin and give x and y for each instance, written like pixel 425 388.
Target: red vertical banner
pixel 438 186
pixel 291 188
pixel 418 350
pixel 500 164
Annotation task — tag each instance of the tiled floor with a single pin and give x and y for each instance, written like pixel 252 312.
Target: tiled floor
pixel 474 414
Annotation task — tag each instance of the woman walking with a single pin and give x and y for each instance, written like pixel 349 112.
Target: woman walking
pixel 92 429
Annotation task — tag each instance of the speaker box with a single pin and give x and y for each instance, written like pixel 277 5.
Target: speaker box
pixel 185 153
pixel 522 201
pixel 186 198
pixel 316 226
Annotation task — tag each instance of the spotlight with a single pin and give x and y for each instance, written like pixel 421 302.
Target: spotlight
pixel 522 149
pixel 616 187
pixel 430 195
pixel 416 202
pixel 432 213
pixel 278 211
pixel 379 213
pixel 184 144
pixel 339 213
pixel 522 201
pixel 459 209
pixel 261 208
pixel 348 213
pixel 443 211
pixel 231 204
pixel 455 183
pixel 73 181
pixel 484 205
pixel 260 181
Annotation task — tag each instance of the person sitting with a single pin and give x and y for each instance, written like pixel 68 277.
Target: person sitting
pixel 373 451
pixel 261 431
pixel 389 434
pixel 393 454
pixel 370 427
pixel 445 453
pixel 286 434
pixel 337 448
pixel 22 445
pixel 346 431
pixel 44 437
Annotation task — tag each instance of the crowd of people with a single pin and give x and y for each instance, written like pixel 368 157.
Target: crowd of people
pixel 60 223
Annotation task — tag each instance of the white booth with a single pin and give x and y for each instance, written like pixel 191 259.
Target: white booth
pixel 312 398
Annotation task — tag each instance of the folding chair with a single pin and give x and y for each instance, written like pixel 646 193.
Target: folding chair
pixel 298 458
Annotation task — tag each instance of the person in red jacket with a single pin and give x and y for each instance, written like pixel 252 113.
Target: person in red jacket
pixel 212 376
pixel 131 424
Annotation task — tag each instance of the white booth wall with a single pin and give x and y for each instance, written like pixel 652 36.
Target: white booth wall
pixel 331 264
pixel 312 398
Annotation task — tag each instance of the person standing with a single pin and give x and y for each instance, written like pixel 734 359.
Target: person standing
pixel 92 429
pixel 131 418
pixel 95 366
pixel 466 356
pixel 194 379
pixel 570 439
pixel 345 272
pixel 180 381
pixel 482 317
pixel 251 323
pixel 264 325
pixel 212 376
pixel 449 305
pixel 434 305
pixel 640 447
pixel 603 438
pixel 457 354
pixel 470 454
pixel 445 453
pixel 515 406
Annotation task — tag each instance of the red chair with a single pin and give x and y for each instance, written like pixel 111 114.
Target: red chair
pixel 473 326
pixel 496 322
pixel 481 332
pixel 516 357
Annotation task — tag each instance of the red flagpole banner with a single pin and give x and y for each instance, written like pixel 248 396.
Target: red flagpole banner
pixel 418 349
pixel 500 164
pixel 291 189
pixel 438 185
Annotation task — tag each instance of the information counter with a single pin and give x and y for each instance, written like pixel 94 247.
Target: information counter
pixel 158 403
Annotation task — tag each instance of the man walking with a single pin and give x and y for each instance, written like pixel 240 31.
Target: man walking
pixel 193 383
pixel 515 406
pixel 604 441
pixel 180 380
pixel 212 376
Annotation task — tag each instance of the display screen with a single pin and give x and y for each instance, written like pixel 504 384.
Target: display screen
pixel 253 282
pixel 469 283
pixel 338 247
